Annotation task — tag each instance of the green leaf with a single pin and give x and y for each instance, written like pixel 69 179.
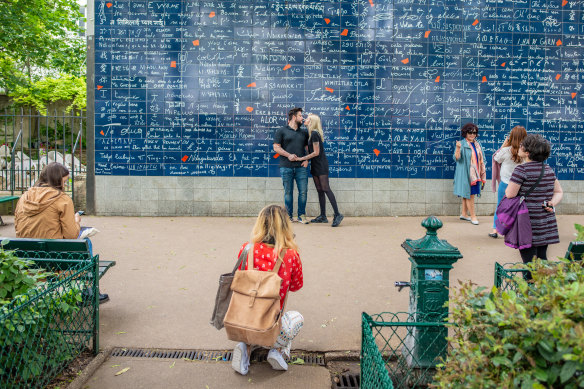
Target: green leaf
pixel 497 361
pixel 490 305
pixel 517 357
pixel 568 371
pixel 541 375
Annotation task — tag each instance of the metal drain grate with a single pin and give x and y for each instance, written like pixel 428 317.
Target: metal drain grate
pixel 346 381
pixel 193 355
pixel 209 355
pixel 261 355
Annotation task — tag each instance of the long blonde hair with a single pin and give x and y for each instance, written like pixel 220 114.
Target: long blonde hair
pixel 314 124
pixel 273 227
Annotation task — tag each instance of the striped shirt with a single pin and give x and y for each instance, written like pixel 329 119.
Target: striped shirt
pixel 543 223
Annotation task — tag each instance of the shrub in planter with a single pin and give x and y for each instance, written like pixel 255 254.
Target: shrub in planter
pixel 529 338
pixel 34 304
pixel 17 276
pixel 579 232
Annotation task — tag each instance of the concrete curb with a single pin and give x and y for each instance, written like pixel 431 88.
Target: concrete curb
pixel 90 369
pixel 343 356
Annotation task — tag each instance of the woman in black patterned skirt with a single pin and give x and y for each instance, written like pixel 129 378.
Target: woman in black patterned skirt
pixel 542 201
pixel 320 170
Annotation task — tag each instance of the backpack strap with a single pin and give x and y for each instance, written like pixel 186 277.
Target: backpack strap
pixel 276 268
pixel 249 264
pixel 245 252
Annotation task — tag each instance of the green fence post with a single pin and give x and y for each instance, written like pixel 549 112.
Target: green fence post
pixel 431 260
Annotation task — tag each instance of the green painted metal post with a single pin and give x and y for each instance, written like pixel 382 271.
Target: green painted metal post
pixel 431 259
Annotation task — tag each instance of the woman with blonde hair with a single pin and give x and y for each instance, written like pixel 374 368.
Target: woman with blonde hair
pixel 320 170
pixel 506 159
pixel 272 237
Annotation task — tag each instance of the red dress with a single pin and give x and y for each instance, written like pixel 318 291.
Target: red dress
pixel 290 271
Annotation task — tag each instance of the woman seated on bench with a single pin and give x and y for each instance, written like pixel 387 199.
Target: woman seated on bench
pixel 45 211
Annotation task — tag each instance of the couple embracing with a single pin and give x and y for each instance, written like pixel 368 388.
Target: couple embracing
pixel 297 146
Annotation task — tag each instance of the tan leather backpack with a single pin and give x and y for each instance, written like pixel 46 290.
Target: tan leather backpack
pixel 253 316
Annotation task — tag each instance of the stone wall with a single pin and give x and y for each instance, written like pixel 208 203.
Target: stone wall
pixel 245 196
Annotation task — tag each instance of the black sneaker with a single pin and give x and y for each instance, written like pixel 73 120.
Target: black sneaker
pixel 337 219
pixel 87 297
pixel 320 219
pixel 103 297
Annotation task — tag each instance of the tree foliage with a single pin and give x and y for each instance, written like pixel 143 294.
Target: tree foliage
pixel 39 38
pixel 532 337
pixel 48 90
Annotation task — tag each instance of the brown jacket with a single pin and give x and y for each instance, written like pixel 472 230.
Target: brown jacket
pixel 45 213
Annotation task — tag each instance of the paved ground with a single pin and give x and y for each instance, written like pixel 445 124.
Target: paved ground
pixel 163 287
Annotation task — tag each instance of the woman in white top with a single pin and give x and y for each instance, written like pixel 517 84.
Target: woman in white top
pixel 508 158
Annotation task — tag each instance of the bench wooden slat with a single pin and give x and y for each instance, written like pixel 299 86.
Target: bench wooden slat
pixel 3 200
pixel 8 198
pixel 575 250
pixel 104 266
pixel 47 245
pixel 54 250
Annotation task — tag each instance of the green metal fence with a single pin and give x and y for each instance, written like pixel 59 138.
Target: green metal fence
pixel 399 352
pixel 44 329
pixel 506 275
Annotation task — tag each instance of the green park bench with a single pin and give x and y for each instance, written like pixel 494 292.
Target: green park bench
pixel 575 251
pixel 5 199
pixel 53 249
pixel 63 255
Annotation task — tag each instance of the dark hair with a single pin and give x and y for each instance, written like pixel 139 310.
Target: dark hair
pixel 52 175
pixel 293 112
pixel 468 127
pixel 537 147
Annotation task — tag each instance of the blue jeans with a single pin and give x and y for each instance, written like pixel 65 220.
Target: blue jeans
pixel 500 195
pixel 300 174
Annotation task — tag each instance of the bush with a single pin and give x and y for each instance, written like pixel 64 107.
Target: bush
pixel 34 307
pixel 17 276
pixel 579 232
pixel 529 338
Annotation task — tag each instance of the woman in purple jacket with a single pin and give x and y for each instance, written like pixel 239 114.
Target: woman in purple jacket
pixel 541 202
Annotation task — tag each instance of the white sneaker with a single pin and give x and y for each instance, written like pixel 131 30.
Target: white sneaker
pixel 240 359
pixel 475 222
pixel 276 360
pixel 303 219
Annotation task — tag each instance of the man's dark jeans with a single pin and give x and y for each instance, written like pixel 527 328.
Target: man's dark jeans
pixel 300 174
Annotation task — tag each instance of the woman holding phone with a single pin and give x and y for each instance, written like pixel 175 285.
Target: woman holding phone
pixel 548 193
pixel 508 159
pixel 45 211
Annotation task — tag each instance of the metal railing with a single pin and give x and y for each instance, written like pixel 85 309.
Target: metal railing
pixel 31 140
pixel 44 329
pixel 506 275
pixel 398 351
